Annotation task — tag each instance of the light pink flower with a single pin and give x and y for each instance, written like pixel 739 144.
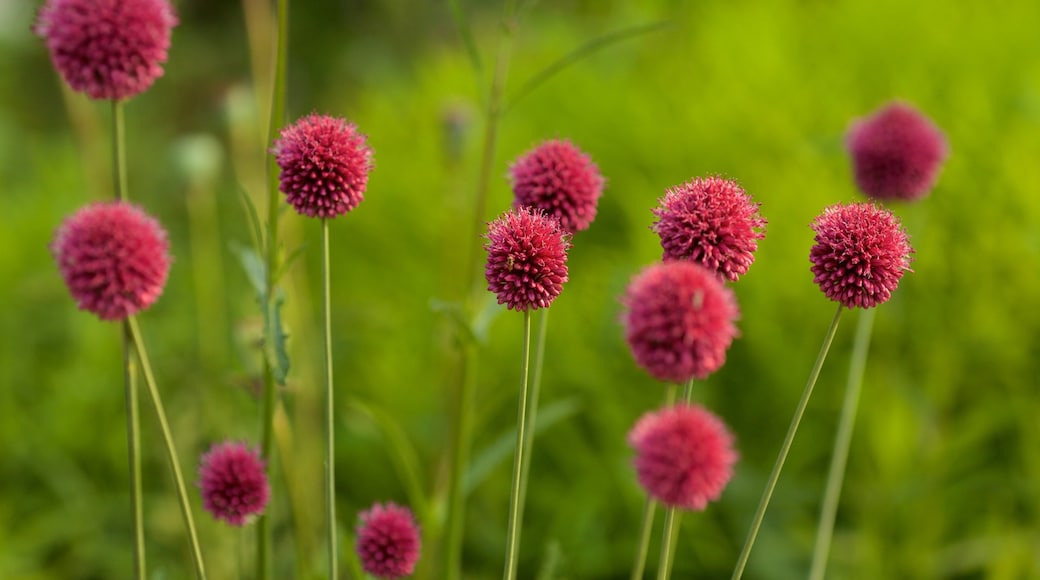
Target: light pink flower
pixel 233 483
pixel 388 541
pixel 557 178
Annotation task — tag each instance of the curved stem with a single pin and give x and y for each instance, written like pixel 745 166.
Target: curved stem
pixel 330 450
pixel 760 513
pixel 842 442
pixel 171 451
pixel 515 517
pixel 672 515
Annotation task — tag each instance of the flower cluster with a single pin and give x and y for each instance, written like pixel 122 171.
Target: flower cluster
pixel 527 259
pixel 557 178
pixel 233 483
pixel 388 541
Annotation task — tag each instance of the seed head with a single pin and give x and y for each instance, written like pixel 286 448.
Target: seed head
pixel 233 483
pixel 388 541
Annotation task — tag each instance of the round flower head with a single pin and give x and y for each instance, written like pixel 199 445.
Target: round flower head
pixel 896 153
pixel 684 456
pixel 233 483
pixel 711 221
pixel 108 49
pixel 325 162
pixel 860 254
pixel 527 259
pixel 114 259
pixel 388 541
pixel 557 178
pixel 679 320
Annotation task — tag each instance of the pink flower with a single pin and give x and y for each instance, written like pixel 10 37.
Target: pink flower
pixel 861 252
pixel 325 163
pixel 896 153
pixel 557 178
pixel 114 259
pixel 679 320
pixel 388 541
pixel 527 259
pixel 108 49
pixel 684 456
pixel 711 221
pixel 233 483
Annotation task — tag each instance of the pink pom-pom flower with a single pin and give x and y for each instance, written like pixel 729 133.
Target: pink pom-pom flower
pixel 233 483
pixel 860 254
pixel 388 541
pixel 896 153
pixel 557 178
pixel 684 456
pixel 114 259
pixel 527 259
pixel 108 49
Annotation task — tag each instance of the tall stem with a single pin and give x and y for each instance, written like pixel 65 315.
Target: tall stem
pixel 515 517
pixel 842 442
pixel 532 410
pixel 646 528
pixel 463 436
pixel 171 451
pixel 672 516
pixel 330 455
pixel 760 513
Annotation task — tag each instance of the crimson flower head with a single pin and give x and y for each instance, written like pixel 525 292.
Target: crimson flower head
pixel 557 178
pixel 114 259
pixel 679 320
pixel 527 259
pixel 233 483
pixel 711 221
pixel 684 456
pixel 896 153
pixel 860 254
pixel 325 162
pixel 108 49
pixel 388 541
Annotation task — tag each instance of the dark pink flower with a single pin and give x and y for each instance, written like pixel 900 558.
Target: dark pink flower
pixel 684 456
pixel 557 178
pixel 861 252
pixel 108 49
pixel 711 221
pixel 527 259
pixel 679 320
pixel 114 259
pixel 325 163
pixel 388 541
pixel 896 153
pixel 233 483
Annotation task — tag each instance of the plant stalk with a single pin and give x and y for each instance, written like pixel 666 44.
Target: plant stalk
pixel 532 410
pixel 515 517
pixel 672 515
pixel 330 414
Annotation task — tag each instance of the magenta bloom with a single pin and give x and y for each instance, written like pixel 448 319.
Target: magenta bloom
pixel 684 456
pixel 114 259
pixel 233 483
pixel 679 320
pixel 896 153
pixel 860 254
pixel 557 178
pixel 325 163
pixel 108 49
pixel 388 541
pixel 527 259
pixel 711 221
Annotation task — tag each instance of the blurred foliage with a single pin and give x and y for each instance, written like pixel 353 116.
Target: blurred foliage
pixel 944 476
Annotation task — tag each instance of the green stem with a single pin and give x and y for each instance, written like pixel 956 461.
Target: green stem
pixel 532 408
pixel 330 454
pixel 646 528
pixel 118 150
pixel 171 451
pixel 463 437
pixel 842 442
pixel 513 538
pixel 760 513
pixel 672 515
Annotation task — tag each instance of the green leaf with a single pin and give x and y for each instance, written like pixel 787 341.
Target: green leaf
pixel 256 230
pixel 255 268
pixel 455 312
pixel 279 355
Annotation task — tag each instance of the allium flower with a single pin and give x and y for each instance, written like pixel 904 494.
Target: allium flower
pixel 684 456
pixel 233 483
pixel 527 259
pixel 325 163
pixel 711 221
pixel 388 541
pixel 557 178
pixel 108 49
pixel 896 153
pixel 114 259
pixel 860 254
pixel 679 320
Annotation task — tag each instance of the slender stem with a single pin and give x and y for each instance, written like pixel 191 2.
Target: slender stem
pixel 330 455
pixel 648 515
pixel 672 515
pixel 119 179
pixel 463 437
pixel 842 442
pixel 532 407
pixel 171 451
pixel 760 513
pixel 513 539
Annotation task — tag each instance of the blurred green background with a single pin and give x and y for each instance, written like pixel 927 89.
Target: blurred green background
pixel 944 477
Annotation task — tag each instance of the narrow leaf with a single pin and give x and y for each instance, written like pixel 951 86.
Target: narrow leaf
pixel 255 269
